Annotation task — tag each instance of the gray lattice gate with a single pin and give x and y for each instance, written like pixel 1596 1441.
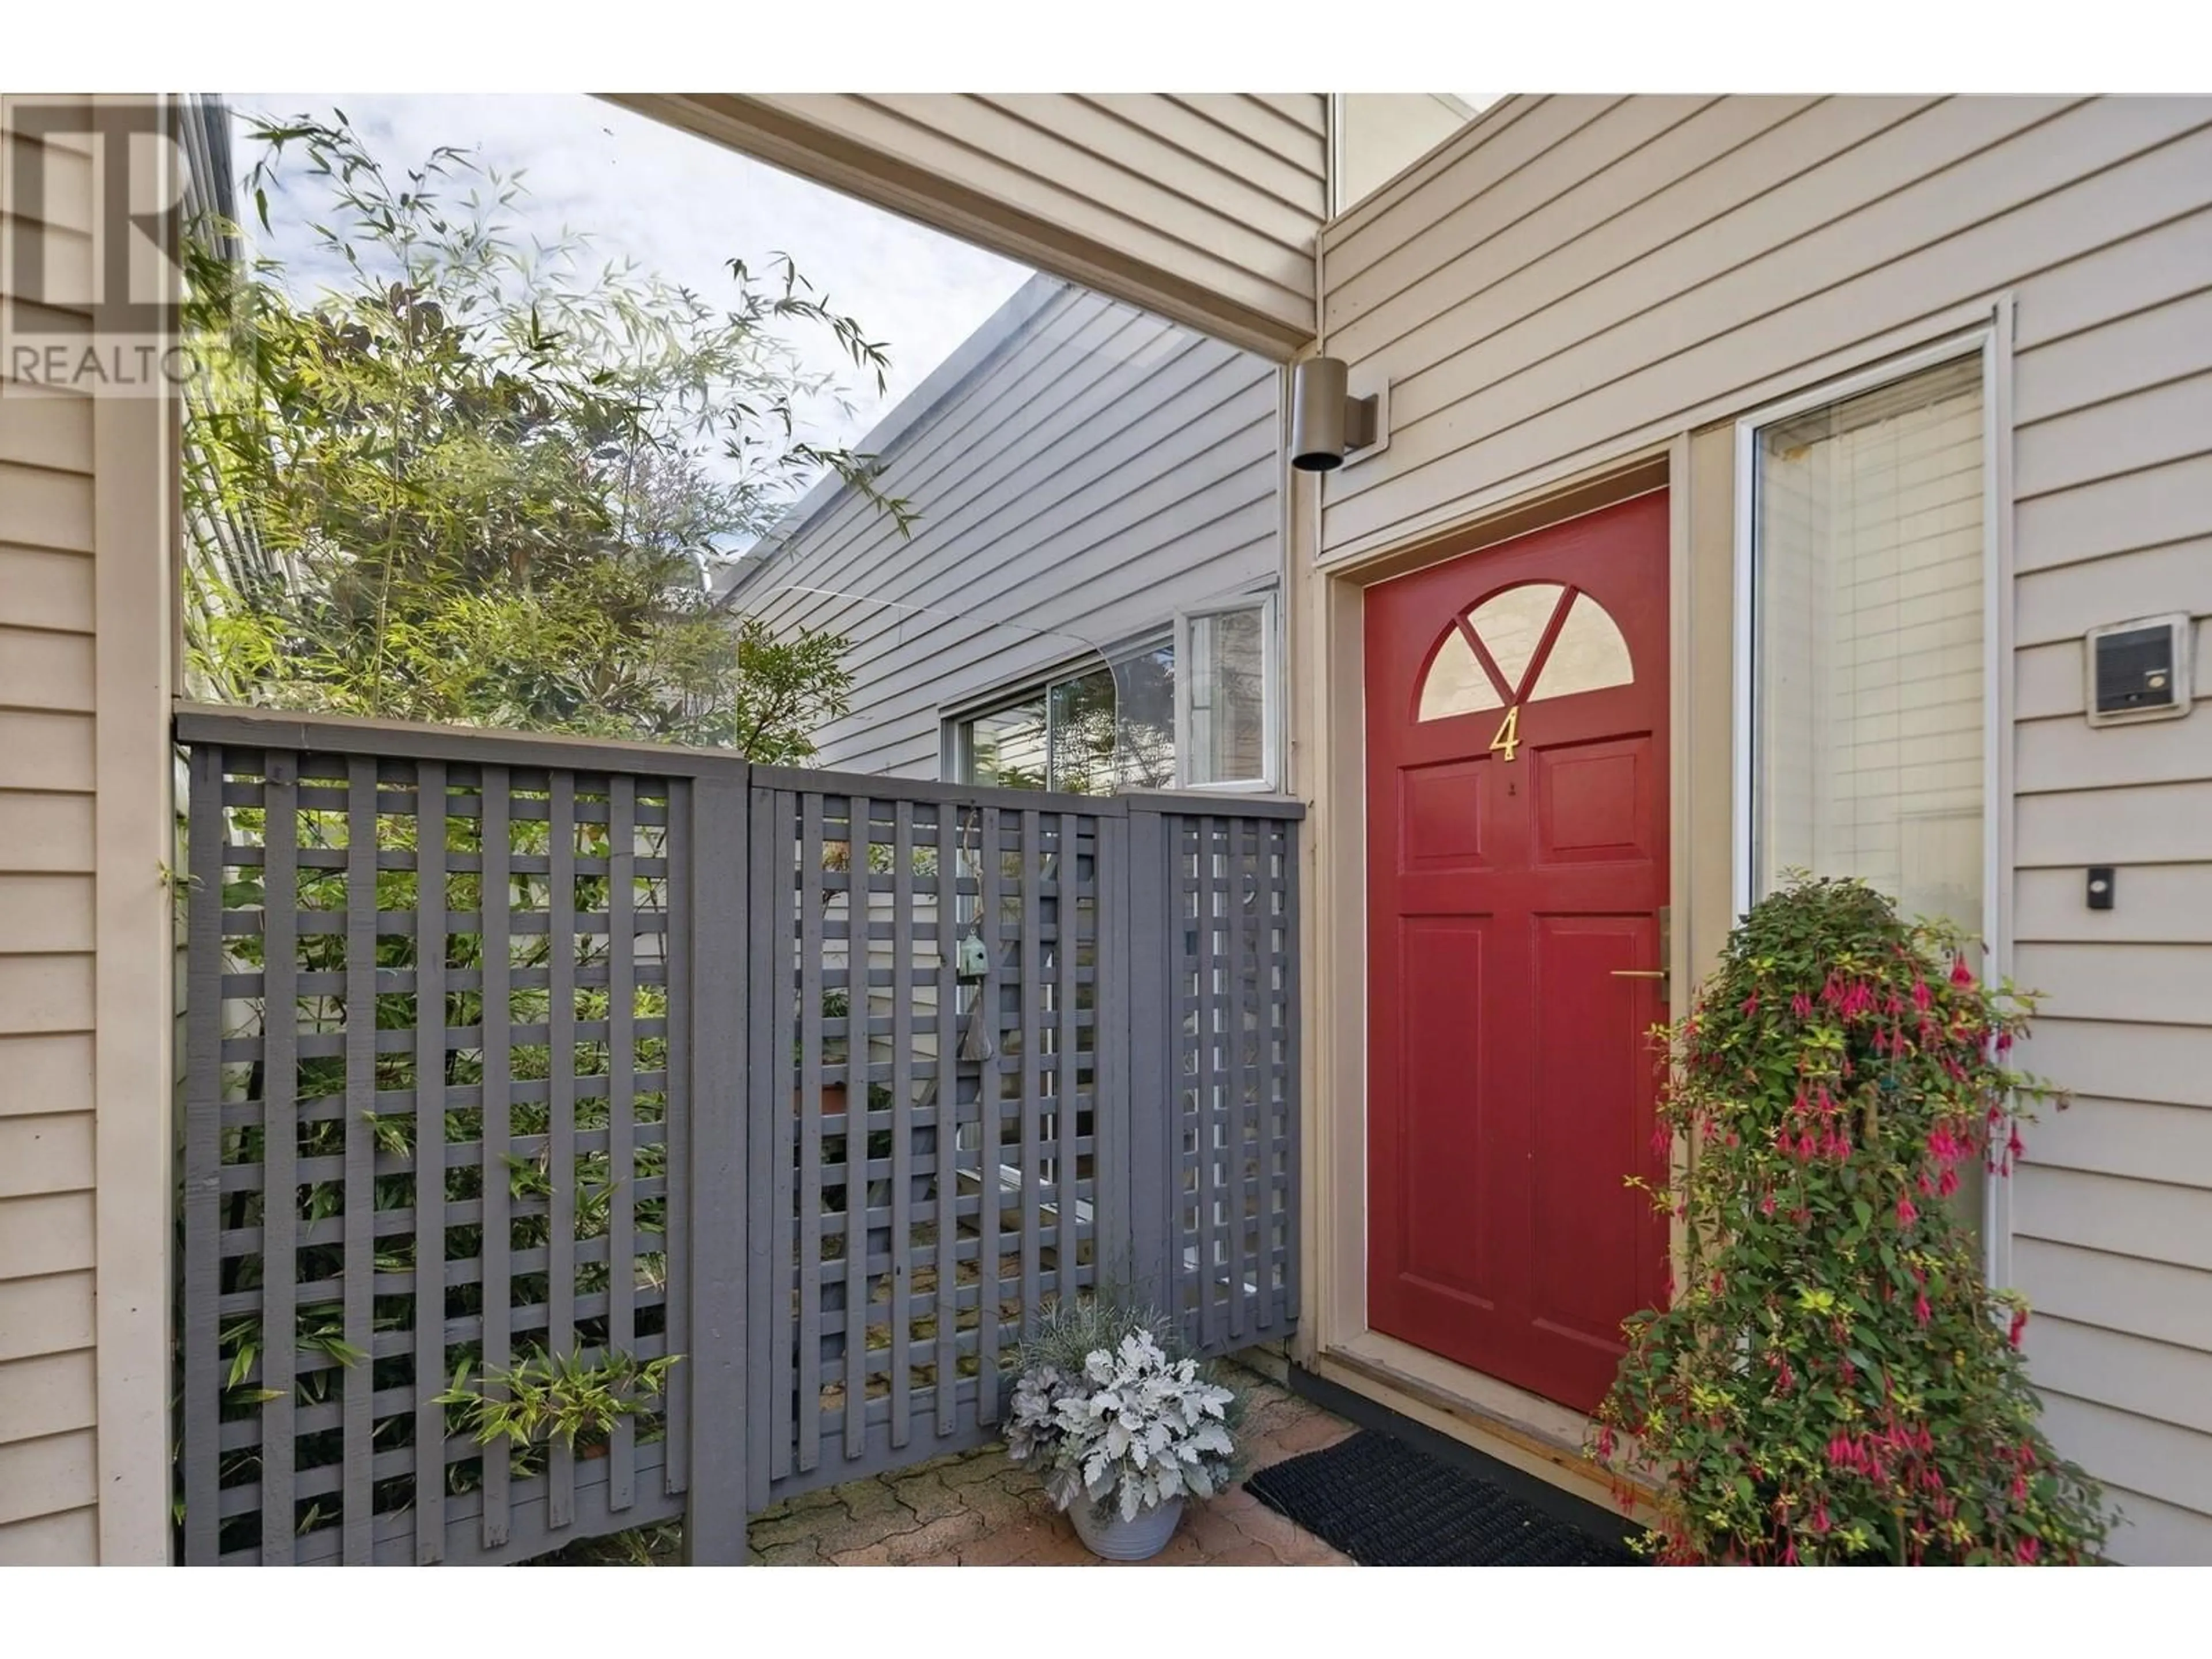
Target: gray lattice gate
pixel 820 1087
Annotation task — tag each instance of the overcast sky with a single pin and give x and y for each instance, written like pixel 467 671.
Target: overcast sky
pixel 682 207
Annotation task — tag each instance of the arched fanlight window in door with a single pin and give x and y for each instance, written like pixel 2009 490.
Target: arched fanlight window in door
pixel 1525 644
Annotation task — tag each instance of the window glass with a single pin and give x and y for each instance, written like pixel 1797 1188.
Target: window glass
pixel 1083 733
pixel 1228 671
pixel 1006 747
pixel 1089 732
pixel 1588 655
pixel 1144 690
pixel 1455 684
pixel 1510 625
pixel 1867 693
pixel 1586 651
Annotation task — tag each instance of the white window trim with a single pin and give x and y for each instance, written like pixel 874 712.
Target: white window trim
pixel 1271 693
pixel 1984 341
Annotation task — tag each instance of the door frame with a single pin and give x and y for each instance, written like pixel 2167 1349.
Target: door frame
pixel 1329 706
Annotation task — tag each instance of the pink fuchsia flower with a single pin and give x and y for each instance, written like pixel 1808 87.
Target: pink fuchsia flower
pixel 2026 1551
pixel 1801 1005
pixel 1947 1184
pixel 1751 1004
pixel 1604 1440
pixel 2018 1326
pixel 1906 1215
pixel 1960 973
pixel 1921 999
pixel 1790 1554
pixel 1920 1311
pixel 1766 1204
pixel 1820 1516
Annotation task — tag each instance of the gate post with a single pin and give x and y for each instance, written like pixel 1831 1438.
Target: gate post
pixel 1149 1090
pixel 714 1252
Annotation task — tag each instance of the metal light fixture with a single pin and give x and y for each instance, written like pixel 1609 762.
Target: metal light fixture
pixel 1326 424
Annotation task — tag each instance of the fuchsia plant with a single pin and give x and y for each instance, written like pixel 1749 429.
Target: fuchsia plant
pixel 1834 1381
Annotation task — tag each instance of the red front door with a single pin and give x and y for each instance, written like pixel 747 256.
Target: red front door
pixel 1516 815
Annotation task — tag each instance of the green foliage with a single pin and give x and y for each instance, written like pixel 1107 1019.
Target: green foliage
pixel 556 1400
pixel 482 481
pixel 1834 1381
pixel 1068 1330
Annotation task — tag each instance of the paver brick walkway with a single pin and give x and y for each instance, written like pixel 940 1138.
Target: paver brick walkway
pixel 977 1509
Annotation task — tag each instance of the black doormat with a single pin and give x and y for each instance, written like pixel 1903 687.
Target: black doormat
pixel 1385 1504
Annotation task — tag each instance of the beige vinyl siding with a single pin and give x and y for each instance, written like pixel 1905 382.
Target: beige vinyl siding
pixel 47 699
pixel 85 521
pixel 1202 207
pixel 1093 469
pixel 1574 278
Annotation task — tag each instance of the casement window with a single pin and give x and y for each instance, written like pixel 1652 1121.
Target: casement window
pixel 1863 575
pixel 1196 708
pixel 1227 699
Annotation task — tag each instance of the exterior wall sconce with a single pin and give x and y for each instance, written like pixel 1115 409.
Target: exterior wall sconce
pixel 1326 423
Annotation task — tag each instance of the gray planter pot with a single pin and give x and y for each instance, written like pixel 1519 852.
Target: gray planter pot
pixel 1110 1538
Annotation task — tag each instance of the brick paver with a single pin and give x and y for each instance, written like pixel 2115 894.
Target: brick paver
pixel 977 1509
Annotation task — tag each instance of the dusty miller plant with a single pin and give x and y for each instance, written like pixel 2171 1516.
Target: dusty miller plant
pixel 1835 1381
pixel 1113 1414
pixel 1134 1428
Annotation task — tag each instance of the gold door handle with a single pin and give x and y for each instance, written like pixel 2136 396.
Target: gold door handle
pixel 1639 973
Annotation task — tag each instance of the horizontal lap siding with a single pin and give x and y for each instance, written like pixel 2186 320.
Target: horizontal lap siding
pixel 2113 406
pixel 1574 276
pixel 1203 207
pixel 46 755
pixel 1096 470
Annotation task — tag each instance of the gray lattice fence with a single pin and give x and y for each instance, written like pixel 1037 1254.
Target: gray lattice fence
pixel 1216 1183
pixel 932 1140
pixel 852 1076
pixel 433 1001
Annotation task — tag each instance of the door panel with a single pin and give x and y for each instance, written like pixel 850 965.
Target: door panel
pixel 1516 788
pixel 1591 1053
pixel 1443 1094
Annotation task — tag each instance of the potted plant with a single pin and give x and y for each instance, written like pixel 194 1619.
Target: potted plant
pixel 1834 1381
pixel 1123 1425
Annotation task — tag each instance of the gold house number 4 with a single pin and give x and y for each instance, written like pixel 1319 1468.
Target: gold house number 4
pixel 1508 733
